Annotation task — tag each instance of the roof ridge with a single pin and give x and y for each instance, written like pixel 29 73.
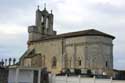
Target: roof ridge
pixel 89 32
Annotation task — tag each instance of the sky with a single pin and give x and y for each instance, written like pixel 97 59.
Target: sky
pixel 69 15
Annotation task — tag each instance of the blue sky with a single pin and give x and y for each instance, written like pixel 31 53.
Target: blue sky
pixel 70 15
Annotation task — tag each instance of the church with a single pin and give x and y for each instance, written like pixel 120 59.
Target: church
pixel 84 50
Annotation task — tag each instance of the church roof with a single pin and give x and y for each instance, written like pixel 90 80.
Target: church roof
pixel 27 53
pixel 89 32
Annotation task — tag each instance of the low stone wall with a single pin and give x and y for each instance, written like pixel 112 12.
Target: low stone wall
pixel 78 79
pixel 33 75
pixel 3 75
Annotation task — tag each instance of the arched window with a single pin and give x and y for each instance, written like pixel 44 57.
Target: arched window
pixel 54 62
pixel 79 61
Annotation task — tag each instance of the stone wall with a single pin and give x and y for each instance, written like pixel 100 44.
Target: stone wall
pixel 83 52
pixel 3 75
pixel 47 50
pixel 95 53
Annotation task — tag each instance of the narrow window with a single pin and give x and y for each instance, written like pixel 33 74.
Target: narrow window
pixel 70 62
pixel 79 62
pixel 106 64
pixel 54 62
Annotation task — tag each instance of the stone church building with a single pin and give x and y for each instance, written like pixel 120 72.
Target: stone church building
pixel 87 49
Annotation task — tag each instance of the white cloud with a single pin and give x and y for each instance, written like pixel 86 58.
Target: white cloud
pixel 12 32
pixel 13 40
pixel 9 29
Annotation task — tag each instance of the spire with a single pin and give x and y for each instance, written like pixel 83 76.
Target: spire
pixel 51 11
pixel 38 7
pixel 44 6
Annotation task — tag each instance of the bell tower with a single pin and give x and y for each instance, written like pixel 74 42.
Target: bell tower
pixel 43 25
pixel 44 22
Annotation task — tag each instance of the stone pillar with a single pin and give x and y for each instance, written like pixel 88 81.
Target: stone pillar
pixel 86 55
pixel 17 76
pixel 74 57
pixel 111 63
pixel 50 24
pixel 63 54
pixel 39 75
pixel 38 18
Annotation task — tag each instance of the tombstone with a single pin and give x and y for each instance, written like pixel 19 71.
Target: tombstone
pixel 10 61
pixel 14 60
pixel 67 72
pixel 77 71
pixel 89 73
pixel 5 62
pixel 2 63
